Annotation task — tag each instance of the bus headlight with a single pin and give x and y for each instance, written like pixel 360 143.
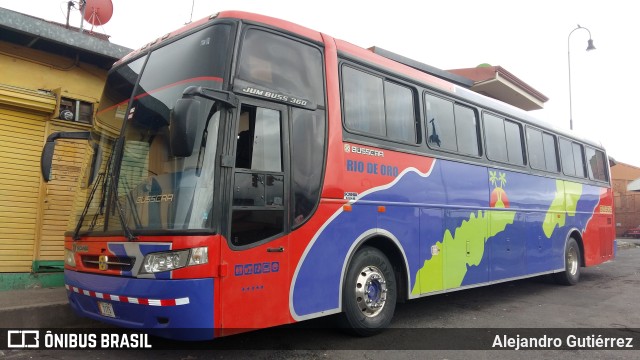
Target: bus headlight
pixel 171 260
pixel 199 256
pixel 69 258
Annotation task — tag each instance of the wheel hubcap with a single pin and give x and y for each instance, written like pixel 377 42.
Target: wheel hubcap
pixel 371 291
pixel 572 261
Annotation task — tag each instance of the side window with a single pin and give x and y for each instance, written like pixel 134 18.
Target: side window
pixel 513 132
pixel 466 130
pixel 379 107
pixel 400 116
pixel 578 159
pixel 363 102
pixel 542 150
pixel 441 129
pixel 495 138
pixel 536 149
pixel 258 196
pixel 566 151
pixel 307 156
pixel 596 164
pixel 451 126
pixel 550 152
pixel 572 158
pixel 504 140
pixel 282 63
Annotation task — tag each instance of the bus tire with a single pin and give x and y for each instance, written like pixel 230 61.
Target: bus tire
pixel 571 273
pixel 369 293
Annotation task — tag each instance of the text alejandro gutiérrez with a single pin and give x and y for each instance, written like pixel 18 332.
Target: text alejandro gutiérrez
pixel 570 341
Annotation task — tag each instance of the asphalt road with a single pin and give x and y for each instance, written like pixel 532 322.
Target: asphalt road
pixel 606 298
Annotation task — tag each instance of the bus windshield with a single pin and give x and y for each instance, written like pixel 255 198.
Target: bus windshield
pixel 153 189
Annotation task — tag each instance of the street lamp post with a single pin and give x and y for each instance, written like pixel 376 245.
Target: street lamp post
pixel 589 48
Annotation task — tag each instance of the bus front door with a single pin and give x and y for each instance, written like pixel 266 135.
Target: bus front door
pixel 255 293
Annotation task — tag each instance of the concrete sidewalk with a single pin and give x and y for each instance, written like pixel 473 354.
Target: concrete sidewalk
pixel 48 308
pixel 38 308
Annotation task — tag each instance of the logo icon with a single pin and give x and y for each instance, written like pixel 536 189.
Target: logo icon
pixel 19 339
pixel 103 262
pixel 347 148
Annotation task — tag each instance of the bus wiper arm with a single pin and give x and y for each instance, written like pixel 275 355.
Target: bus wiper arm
pixel 76 232
pixel 101 177
pixel 225 97
pixel 120 211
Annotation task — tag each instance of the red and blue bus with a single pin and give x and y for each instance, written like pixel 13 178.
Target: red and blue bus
pixel 245 172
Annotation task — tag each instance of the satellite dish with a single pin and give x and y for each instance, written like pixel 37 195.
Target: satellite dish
pixel 98 12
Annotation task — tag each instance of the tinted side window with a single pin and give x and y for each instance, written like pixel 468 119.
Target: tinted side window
pixel 495 138
pixel 363 102
pixel 596 164
pixel 578 159
pixel 281 63
pixel 451 126
pixel 536 149
pixel 307 155
pixel 513 133
pixel 441 129
pixel 466 130
pixel 566 151
pixel 378 107
pixel 400 116
pixel 550 152
pixel 543 154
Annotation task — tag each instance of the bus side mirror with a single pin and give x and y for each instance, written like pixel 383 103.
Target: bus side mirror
pixel 183 124
pixel 46 158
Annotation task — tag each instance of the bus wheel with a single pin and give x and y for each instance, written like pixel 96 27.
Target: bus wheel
pixel 571 273
pixel 369 296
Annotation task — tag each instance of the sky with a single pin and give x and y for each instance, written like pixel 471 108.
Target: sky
pixel 530 39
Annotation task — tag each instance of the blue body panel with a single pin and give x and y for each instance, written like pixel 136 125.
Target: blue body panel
pixel 192 321
pixel 422 208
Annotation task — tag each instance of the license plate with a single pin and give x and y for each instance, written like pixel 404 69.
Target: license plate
pixel 106 309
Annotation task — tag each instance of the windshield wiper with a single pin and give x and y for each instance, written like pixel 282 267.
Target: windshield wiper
pixel 108 186
pixel 76 232
pixel 101 178
pixel 123 222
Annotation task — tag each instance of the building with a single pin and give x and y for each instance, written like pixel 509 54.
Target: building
pixel 498 83
pixel 51 79
pixel 627 201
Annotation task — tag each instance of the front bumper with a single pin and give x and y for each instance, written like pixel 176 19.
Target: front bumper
pixel 176 309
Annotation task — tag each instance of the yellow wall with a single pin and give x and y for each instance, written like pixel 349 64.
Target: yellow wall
pixel 34 214
pixel 32 69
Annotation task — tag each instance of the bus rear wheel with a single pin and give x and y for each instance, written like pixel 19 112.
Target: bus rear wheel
pixel 571 273
pixel 369 293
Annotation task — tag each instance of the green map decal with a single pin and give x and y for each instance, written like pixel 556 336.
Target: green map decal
pixel 565 203
pixel 465 247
